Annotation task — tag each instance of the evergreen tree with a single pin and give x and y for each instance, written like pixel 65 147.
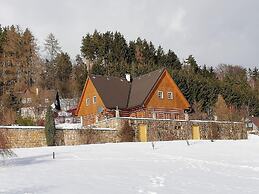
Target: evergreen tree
pixel 50 129
pixel 193 64
pixel 29 58
pixel 172 61
pixel 62 74
pixel 80 73
pixel 53 49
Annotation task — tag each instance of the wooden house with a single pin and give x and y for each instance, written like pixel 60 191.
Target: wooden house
pixel 34 102
pixel 153 95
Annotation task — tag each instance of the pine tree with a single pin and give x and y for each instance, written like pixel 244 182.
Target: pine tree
pixel 80 73
pixel 50 129
pixel 193 64
pixel 29 58
pixel 62 74
pixel 11 59
pixel 53 49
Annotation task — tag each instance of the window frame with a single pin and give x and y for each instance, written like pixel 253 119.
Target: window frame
pixel 29 100
pixel 87 101
pixel 170 95
pixel 160 96
pixel 94 99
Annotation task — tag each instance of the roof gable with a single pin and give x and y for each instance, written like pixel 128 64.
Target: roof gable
pixel 166 84
pixel 114 91
pixel 118 92
pixel 142 86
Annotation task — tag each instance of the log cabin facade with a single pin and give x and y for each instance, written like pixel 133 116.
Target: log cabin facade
pixel 153 95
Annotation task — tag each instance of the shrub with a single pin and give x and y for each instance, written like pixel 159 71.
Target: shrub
pixel 50 129
pixel 25 121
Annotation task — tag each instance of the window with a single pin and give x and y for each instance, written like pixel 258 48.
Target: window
pixel 24 100
pixel 160 95
pixel 28 100
pixel 170 95
pixel 87 101
pixel 94 100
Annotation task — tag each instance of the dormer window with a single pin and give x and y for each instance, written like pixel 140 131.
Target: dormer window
pixel 28 100
pixel 160 94
pixel 87 101
pixel 170 95
pixel 94 100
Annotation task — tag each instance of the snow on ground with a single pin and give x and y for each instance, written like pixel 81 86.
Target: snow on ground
pixel 173 167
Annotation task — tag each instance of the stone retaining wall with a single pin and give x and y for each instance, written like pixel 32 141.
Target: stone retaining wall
pixel 165 130
pixel 85 136
pixel 25 137
pixel 125 130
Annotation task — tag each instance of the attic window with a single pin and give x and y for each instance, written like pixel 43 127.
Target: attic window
pixel 160 94
pixel 28 100
pixel 94 100
pixel 87 101
pixel 170 95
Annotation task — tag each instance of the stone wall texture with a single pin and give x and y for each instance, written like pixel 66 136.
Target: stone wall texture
pixel 24 137
pixel 31 137
pixel 125 130
pixel 165 130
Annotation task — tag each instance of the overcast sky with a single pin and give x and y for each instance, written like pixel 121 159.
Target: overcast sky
pixel 214 31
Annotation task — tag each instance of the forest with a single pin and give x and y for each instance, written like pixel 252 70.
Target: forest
pixel 229 91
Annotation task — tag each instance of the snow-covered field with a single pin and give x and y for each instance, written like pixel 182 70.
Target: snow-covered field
pixel 172 167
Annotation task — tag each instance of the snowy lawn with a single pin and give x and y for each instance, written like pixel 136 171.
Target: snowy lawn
pixel 173 167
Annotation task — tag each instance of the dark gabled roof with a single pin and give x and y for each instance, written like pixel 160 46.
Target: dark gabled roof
pixel 113 91
pixel 119 92
pixel 255 120
pixel 141 87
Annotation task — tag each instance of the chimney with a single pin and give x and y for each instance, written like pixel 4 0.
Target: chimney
pixel 37 91
pixel 128 77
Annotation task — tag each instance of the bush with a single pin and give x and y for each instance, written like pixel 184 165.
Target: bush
pixel 25 121
pixel 50 129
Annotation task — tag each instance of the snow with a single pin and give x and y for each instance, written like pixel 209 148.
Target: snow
pixel 172 167
pixel 179 120
pixel 21 127
pixel 104 128
pixel 69 126
pixel 79 126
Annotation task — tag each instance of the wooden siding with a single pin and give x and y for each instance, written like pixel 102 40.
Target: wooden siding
pixel 166 84
pixel 89 92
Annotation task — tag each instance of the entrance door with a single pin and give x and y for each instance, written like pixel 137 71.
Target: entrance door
pixel 143 133
pixel 196 132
